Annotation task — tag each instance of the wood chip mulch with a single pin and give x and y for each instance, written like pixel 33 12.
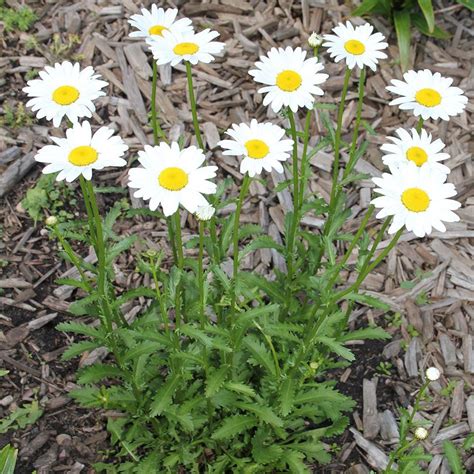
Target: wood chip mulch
pixel 428 283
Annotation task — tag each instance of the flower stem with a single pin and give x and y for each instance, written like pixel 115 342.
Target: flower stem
pixel 355 134
pixel 304 160
pixel 180 264
pixel 201 274
pixel 337 145
pixel 235 240
pixel 290 241
pixel 419 125
pixel 157 130
pixel 192 100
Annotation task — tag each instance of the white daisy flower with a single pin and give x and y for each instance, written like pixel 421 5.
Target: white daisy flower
pixel 154 22
pixel 81 152
pixel 291 80
pixel 193 47
pixel 315 40
pixel 260 144
pixel 417 198
pixel 171 177
pixel 417 147
pixel 357 46
pixel 421 433
pixel 429 95
pixel 64 90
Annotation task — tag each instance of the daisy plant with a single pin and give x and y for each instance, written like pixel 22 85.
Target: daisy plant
pixel 209 367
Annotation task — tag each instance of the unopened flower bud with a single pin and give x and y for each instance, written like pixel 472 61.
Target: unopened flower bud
pixel 421 433
pixel 51 220
pixel 204 213
pixel 432 374
pixel 315 40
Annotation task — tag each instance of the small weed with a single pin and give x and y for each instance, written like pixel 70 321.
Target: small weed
pixel 51 196
pixel 384 368
pixel 65 49
pixel 395 320
pixel 449 389
pixel 17 19
pixel 15 116
pixel 21 417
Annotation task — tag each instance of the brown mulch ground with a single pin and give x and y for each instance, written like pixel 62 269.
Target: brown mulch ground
pixel 432 321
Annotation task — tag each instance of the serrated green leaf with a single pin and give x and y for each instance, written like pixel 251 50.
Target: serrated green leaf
pixel 78 348
pixel 97 372
pixel 294 460
pixel 215 381
pixel 233 426
pixel 365 333
pixel 80 328
pixel 164 395
pixel 368 300
pixel 453 457
pixel 262 242
pixel 264 413
pixel 287 396
pixel 336 347
pixel 260 353
pixel 240 388
pixel 143 348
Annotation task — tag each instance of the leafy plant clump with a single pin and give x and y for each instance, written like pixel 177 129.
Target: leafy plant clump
pixel 17 19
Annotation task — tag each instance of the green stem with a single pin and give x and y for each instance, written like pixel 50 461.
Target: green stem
pixel 304 159
pixel 180 264
pixel 337 145
pixel 290 241
pixel 157 130
pixel 159 295
pixel 90 216
pixel 355 135
pixel 192 100
pixel 201 275
pixel 419 125
pixel 235 240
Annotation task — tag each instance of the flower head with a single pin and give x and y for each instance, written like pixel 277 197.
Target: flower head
pixel 421 433
pixel 418 148
pixel 153 23
pixel 205 213
pixel 428 95
pixel 357 46
pixel 432 374
pixel 64 90
pixel 315 40
pixel 170 177
pixel 261 144
pixel 81 152
pixel 173 48
pixel 417 198
pixel 290 79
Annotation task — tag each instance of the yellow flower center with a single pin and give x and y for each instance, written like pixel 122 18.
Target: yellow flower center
pixel 415 199
pixel 186 48
pixel 173 179
pixel 83 155
pixel 65 95
pixel 257 149
pixel 156 30
pixel 428 97
pixel 288 80
pixel 354 47
pixel 417 155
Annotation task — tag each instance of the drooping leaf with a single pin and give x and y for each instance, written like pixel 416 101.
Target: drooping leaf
pixel 427 9
pixel 164 395
pixel 79 348
pixel 365 333
pixel 97 372
pixel 368 300
pixel 401 19
pixel 260 353
pixel 263 412
pixel 336 347
pixel 233 426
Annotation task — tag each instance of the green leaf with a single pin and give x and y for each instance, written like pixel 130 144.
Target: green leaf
pixel 97 372
pixel 124 244
pixel 215 381
pixel 287 396
pixel 80 328
pixel 365 7
pixel 437 32
pixel 21 417
pixel 365 333
pixel 264 413
pixel 72 282
pixel 427 9
pixel 143 348
pixel 336 347
pixel 240 388
pixel 453 457
pixel 368 300
pixel 260 353
pixel 295 462
pixel 262 242
pixel 164 395
pixel 78 348
pixel 467 3
pixel 233 426
pixel 401 19
pixel 8 456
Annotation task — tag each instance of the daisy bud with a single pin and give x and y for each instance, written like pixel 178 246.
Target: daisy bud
pixel 205 213
pixel 421 433
pixel 432 374
pixel 315 40
pixel 51 220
